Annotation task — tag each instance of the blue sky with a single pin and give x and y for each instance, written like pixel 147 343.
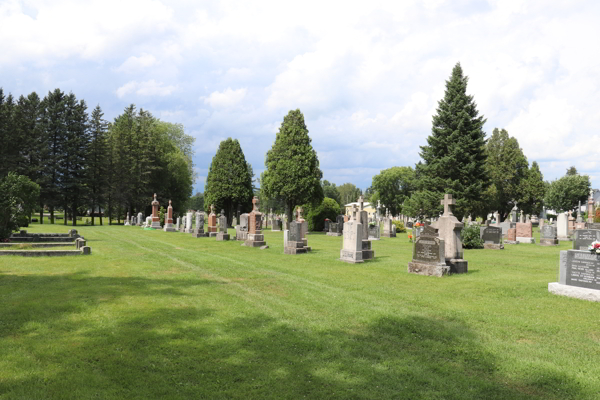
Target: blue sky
pixel 366 76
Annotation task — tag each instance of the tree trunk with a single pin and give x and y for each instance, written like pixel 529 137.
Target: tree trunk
pixel 74 214
pixel 52 215
pixel 41 213
pixel 93 207
pixel 289 211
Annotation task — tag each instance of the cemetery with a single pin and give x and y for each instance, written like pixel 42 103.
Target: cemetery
pixel 467 276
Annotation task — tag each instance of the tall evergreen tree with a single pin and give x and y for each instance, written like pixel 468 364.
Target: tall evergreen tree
pixel 534 190
pixel 228 183
pixel 11 145
pixel 507 168
pixel 54 105
pixel 97 162
pixel 454 157
pixel 293 171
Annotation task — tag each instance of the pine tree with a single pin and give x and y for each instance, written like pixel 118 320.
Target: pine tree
pixel 11 145
pixel 228 183
pixel 97 162
pixel 54 106
pixel 454 157
pixel 293 171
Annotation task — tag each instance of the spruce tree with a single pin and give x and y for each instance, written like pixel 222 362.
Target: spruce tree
pixel 97 162
pixel 454 157
pixel 533 192
pixel 293 171
pixel 228 183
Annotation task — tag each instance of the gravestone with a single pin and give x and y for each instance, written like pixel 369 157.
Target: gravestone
pixel 548 236
pixel 155 216
pixel 336 228
pixel 276 225
pixel 409 224
pixel 169 219
pixel 562 229
pixel 492 238
pixel 326 225
pixel 579 275
pixel 199 229
pixel 212 222
pixel 255 236
pixel 222 234
pixel 182 227
pixel 449 230
pixel 241 230
pixel 521 217
pixel 301 220
pixel 593 225
pixel 140 218
pixel 579 218
pixel 127 220
pixel 511 236
pixel 513 215
pixel 353 237
pixel 591 213
pixel 188 223
pixel 374 231
pixel 389 229
pixel 428 254
pixel 293 241
pixel 584 237
pixel 363 216
pixel 525 233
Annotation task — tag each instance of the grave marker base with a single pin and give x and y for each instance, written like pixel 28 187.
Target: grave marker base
pixel 427 269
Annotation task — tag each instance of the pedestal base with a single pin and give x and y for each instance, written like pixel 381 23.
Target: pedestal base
pixel 564 239
pixel 389 235
pixel 198 234
pixel 352 257
pixel 549 242
pixel 574 291
pixel 438 270
pixel 222 236
pixel 457 266
pixel 212 234
pixel 255 240
pixel 294 248
pixel 333 234
pixel 493 246
pixel 169 228
pixel 156 225
pixel 511 242
pixel 367 253
pixel 525 239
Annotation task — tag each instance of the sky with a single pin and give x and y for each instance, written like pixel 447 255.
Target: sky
pixel 366 75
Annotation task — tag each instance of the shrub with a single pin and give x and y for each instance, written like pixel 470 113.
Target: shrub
pixel 471 237
pixel 399 226
pixel 315 217
pixel 597 216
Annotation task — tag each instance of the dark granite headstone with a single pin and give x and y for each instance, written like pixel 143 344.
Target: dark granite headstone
pixel 427 249
pixel 295 232
pixel 492 234
pixel 584 237
pixel 582 269
pixel 409 224
pixel 340 222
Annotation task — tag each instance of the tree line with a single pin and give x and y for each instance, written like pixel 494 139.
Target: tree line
pixel 483 174
pixel 82 162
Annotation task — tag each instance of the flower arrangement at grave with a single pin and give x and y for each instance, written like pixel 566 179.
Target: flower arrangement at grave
pixel 410 237
pixel 594 247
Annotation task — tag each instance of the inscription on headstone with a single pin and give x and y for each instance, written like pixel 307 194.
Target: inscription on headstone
pixel 583 269
pixel 491 234
pixel 585 237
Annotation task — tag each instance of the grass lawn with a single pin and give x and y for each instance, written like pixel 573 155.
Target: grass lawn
pixel 152 314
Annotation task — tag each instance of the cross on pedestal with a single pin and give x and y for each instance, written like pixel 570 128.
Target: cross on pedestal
pixel 212 208
pixel 354 212
pixel 299 213
pixel 255 204
pixel 361 199
pixel 447 202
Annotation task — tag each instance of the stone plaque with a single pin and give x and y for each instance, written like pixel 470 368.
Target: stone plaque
pixel 244 222
pixel 295 234
pixel 585 237
pixel 548 232
pixel 583 269
pixel 427 250
pixel 492 234
pixel 593 225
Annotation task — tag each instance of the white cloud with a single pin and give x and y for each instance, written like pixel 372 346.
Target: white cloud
pixel 147 88
pixel 134 64
pixel 226 98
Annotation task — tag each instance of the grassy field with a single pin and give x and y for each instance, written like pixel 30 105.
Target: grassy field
pixel 163 315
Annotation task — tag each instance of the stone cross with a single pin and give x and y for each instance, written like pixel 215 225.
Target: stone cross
pixel 212 208
pixel 361 199
pixel 354 210
pixel 255 204
pixel 378 203
pixel 447 202
pixel 299 213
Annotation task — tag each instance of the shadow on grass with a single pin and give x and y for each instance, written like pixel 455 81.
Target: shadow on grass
pixel 182 352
